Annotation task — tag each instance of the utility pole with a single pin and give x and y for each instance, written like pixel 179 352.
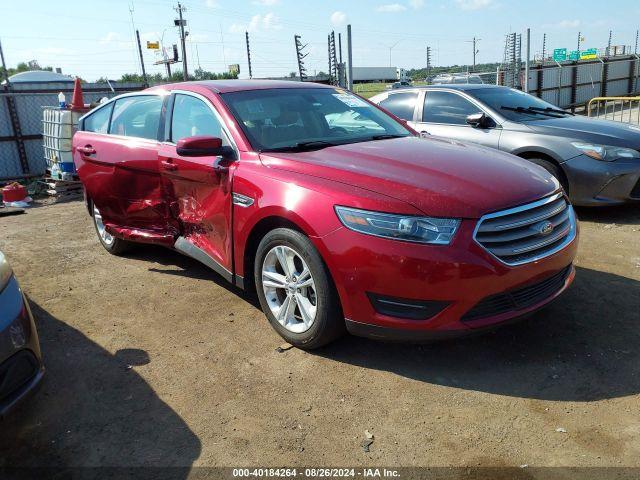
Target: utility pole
pixel 299 53
pixel 635 50
pixel 144 72
pixel 246 34
pixel 609 44
pixel 341 71
pixel 526 65
pixel 333 59
pixel 350 57
pixel 579 39
pixel 475 51
pixel 428 62
pixel 180 22
pixel 330 72
pixel 544 47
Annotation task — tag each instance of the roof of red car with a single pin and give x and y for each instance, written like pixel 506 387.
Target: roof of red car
pixel 226 86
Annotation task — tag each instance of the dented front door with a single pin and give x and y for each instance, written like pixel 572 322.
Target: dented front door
pixel 199 195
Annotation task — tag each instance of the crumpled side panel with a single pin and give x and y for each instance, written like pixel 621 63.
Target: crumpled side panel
pixel 141 235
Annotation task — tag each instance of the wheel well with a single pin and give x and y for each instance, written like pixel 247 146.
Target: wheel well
pixel 259 230
pixel 543 156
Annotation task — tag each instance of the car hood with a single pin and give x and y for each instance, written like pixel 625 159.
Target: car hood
pixel 603 132
pixel 439 177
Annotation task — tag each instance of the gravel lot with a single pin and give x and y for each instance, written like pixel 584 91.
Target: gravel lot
pixel 153 360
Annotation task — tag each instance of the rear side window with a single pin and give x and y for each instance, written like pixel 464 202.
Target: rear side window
pixel 191 117
pixel 446 107
pixel 98 121
pixel 136 117
pixel 401 105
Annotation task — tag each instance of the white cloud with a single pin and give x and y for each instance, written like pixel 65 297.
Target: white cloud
pixel 211 3
pixel 110 37
pixel 338 18
pixel 266 3
pixel 391 7
pixel 271 22
pixel 568 24
pixel 474 4
pixel 416 4
pixel 268 21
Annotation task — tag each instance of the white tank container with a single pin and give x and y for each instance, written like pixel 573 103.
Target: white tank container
pixel 58 128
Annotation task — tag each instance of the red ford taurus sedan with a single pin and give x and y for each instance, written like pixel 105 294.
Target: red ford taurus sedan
pixel 334 211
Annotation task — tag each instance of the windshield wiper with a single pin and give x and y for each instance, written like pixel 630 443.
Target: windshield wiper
pixel 531 111
pixel 302 146
pixel 551 110
pixel 384 136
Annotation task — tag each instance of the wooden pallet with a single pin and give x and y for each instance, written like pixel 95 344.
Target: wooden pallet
pixel 62 189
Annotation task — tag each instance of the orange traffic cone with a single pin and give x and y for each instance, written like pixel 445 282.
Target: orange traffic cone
pixel 77 102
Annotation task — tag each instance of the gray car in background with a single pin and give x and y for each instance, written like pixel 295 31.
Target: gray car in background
pixel 596 161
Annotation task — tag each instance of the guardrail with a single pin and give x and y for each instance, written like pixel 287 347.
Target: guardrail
pixel 622 109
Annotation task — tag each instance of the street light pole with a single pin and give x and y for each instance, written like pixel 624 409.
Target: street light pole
pixel 391 48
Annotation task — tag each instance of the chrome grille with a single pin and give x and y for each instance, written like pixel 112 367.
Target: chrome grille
pixel 529 232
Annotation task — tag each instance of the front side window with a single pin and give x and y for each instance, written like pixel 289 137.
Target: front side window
pixel 448 108
pixel 137 116
pixel 192 117
pixel 298 118
pixel 401 105
pixel 98 121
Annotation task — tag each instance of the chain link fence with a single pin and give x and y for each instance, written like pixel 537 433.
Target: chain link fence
pixel 29 98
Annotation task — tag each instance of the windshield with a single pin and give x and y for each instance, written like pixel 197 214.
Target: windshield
pixel 516 105
pixel 290 119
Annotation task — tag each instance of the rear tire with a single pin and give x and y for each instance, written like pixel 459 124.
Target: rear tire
pixel 295 290
pixel 554 170
pixel 111 244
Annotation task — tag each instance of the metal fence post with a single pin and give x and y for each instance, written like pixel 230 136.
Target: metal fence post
pixel 559 81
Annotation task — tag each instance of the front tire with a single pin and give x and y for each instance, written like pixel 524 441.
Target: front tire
pixel 554 170
pixel 111 244
pixel 295 290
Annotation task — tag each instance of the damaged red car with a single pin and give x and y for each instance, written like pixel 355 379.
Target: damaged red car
pixel 337 215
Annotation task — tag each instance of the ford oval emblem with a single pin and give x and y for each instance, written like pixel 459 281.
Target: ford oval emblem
pixel 544 228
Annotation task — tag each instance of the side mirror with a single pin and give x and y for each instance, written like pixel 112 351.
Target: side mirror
pixel 480 120
pixel 200 146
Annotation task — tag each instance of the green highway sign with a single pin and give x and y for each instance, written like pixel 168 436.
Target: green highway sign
pixel 574 55
pixel 560 54
pixel 589 54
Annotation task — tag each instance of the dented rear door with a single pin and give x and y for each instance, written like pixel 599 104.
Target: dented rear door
pixel 121 174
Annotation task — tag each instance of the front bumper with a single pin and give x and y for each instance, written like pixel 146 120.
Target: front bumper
pixel 593 182
pixel 458 276
pixel 21 368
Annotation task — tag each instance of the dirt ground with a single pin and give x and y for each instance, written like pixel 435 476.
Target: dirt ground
pixel 153 360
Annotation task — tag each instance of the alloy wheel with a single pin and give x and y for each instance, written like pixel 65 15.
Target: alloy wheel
pixel 289 289
pixel 105 236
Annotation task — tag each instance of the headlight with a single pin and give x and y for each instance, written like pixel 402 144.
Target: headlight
pixel 438 231
pixel 606 153
pixel 5 271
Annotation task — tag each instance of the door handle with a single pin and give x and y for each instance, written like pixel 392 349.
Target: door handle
pixel 86 150
pixel 170 166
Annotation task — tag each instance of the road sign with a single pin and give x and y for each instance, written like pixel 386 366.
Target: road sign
pixel 589 54
pixel 153 45
pixel 560 54
pixel 574 55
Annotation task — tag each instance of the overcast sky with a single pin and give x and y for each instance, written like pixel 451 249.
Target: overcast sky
pixel 93 38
